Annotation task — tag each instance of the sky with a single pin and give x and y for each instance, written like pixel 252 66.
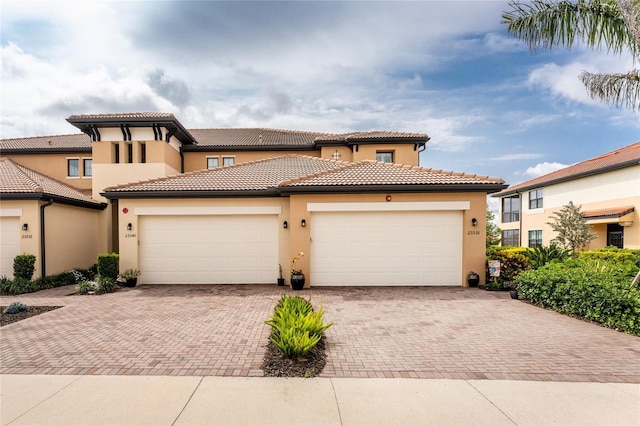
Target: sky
pixel 445 68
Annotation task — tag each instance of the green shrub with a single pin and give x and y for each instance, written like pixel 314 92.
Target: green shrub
pixel 15 307
pixel 21 286
pixel 24 266
pixel 106 285
pixel 296 327
pixel 84 287
pixel 512 262
pixel 579 287
pixel 44 282
pixel 108 265
pixel 613 254
pixel 542 255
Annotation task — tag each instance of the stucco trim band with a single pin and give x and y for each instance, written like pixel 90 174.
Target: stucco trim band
pixel 389 206
pixel 205 211
pixel 10 212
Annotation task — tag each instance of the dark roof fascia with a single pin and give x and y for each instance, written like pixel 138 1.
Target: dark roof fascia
pixel 483 187
pixel 116 195
pixel 371 141
pixel 55 198
pixel 231 148
pixel 618 166
pixel 18 151
pixel 172 123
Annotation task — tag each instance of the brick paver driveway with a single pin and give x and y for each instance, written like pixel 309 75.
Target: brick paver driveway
pixel 378 332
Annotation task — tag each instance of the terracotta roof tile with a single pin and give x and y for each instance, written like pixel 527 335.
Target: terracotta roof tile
pixel 610 212
pixel 123 116
pixel 301 171
pixel 622 157
pixel 78 141
pixel 16 179
pixel 253 137
pixel 375 134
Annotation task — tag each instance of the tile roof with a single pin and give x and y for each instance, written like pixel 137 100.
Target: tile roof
pixel 610 212
pixel 623 157
pixel 123 116
pixel 376 134
pixel 19 182
pixel 301 172
pixel 78 141
pixel 253 137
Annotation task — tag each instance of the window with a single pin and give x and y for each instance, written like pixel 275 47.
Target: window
pixel 129 153
pixel 385 157
pixel 535 238
pixel 212 162
pixel 87 165
pixel 228 161
pixel 510 209
pixel 73 167
pixel 116 153
pixel 143 153
pixel 511 237
pixel 535 199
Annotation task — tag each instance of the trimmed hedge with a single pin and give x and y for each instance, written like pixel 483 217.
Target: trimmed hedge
pixel 21 285
pixel 512 262
pixel 109 265
pixel 613 254
pixel 24 266
pixel 586 289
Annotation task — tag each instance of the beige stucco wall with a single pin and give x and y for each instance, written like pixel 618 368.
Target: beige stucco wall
pixel 194 161
pixel 402 153
pixel 55 166
pixel 346 154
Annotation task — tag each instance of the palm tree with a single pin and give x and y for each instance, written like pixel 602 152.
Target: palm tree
pixel 612 23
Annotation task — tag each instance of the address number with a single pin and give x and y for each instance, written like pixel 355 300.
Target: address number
pixel 473 232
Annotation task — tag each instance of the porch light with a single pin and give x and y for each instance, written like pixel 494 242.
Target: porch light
pixel 474 222
pixel 285 224
pixel 129 227
pixel 25 226
pixel 303 223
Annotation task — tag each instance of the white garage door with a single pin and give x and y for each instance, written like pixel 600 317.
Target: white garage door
pixel 386 248
pixel 10 244
pixel 238 249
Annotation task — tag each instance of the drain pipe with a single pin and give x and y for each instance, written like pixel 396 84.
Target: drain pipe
pixel 43 251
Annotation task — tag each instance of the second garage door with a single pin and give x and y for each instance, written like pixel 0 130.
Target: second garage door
pixel 234 249
pixel 10 244
pixel 386 248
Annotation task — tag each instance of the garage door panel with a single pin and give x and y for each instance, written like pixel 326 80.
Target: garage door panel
pixel 10 240
pixel 386 248
pixel 209 249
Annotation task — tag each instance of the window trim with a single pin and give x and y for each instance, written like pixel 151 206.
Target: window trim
pixel 213 157
pixel 77 160
pixel 84 168
pixel 229 157
pixel 537 241
pixel 392 153
pixel 538 202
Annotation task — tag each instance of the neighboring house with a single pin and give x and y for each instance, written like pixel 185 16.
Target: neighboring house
pixel 232 205
pixel 606 187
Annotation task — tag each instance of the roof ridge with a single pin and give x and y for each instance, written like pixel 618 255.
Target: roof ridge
pixel 43 137
pixel 24 176
pixel 344 165
pixel 264 128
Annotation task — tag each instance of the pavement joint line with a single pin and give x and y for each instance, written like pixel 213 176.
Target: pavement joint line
pixel 491 402
pixel 188 401
pixel 335 397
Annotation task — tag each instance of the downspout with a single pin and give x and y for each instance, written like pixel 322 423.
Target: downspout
pixel 43 251
pixel 181 160
pixel 520 219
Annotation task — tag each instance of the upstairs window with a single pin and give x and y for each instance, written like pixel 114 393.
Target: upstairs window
pixel 129 153
pixel 510 209
pixel 535 199
pixel 116 153
pixel 510 237
pixel 385 157
pixel 212 162
pixel 535 238
pixel 73 167
pixel 87 166
pixel 143 153
pixel 228 161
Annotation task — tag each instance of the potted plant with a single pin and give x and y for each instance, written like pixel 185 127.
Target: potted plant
pixel 473 279
pixel 129 277
pixel 297 276
pixel 280 280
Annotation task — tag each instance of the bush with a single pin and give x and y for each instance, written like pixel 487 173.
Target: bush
pixel 613 254
pixel 296 327
pixel 542 255
pixel 106 285
pixel 512 262
pixel 84 287
pixel 15 307
pixel 108 265
pixel 24 266
pixel 583 288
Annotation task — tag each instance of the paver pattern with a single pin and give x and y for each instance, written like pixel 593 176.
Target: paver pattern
pixel 218 330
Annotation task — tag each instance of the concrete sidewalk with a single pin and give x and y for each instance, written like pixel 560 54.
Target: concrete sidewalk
pixel 194 400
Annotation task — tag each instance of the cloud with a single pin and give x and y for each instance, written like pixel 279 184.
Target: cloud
pixel 514 157
pixel 541 169
pixel 176 91
pixel 498 43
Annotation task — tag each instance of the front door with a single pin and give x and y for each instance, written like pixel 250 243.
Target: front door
pixel 615 235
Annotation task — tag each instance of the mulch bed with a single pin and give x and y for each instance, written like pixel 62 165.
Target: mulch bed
pixel 6 319
pixel 277 365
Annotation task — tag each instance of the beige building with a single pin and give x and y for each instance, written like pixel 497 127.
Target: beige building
pixel 606 187
pixel 236 205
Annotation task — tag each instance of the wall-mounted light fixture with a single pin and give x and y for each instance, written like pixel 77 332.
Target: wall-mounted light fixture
pixel 303 223
pixel 129 227
pixel 285 224
pixel 25 226
pixel 474 222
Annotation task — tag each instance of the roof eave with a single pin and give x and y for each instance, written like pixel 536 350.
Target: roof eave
pixel 56 198
pixel 117 195
pixel 22 151
pixel 231 148
pixel 421 188
pixel 521 189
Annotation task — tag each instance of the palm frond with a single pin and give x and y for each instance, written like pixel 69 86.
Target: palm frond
pixel 616 89
pixel 544 23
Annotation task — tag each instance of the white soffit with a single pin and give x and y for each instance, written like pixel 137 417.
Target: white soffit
pixel 202 211
pixel 10 212
pixel 389 206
